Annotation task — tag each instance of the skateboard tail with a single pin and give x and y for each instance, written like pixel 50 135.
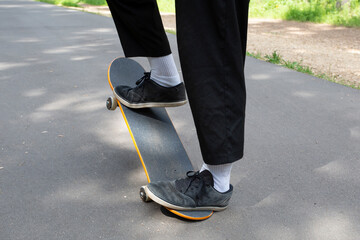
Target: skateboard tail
pixel 178 213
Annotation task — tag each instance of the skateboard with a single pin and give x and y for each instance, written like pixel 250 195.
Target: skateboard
pixel 156 141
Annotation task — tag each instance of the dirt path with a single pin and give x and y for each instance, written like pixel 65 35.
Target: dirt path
pixel 334 51
pixel 327 49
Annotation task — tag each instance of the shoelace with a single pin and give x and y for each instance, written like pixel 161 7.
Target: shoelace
pixel 193 176
pixel 145 77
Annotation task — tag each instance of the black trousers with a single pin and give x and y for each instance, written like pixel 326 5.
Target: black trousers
pixel 211 37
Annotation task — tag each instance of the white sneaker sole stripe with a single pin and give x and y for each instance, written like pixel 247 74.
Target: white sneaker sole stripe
pixel 149 104
pixel 171 206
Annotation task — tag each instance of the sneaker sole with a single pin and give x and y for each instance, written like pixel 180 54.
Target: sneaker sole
pixel 175 207
pixel 149 104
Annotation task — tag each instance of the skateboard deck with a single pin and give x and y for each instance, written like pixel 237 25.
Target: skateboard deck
pixel 157 143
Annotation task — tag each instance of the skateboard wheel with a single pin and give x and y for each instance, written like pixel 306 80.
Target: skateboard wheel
pixel 143 195
pixel 111 103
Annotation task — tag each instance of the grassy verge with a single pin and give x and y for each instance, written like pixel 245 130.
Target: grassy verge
pixel 275 58
pixel 170 31
pixel 337 12
pixel 164 5
pixel 75 3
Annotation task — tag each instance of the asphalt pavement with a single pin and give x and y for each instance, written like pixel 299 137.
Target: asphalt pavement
pixel 69 170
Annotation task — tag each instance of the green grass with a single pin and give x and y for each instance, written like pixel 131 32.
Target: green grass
pixel 75 3
pixel 273 58
pixel 276 58
pixel 95 2
pixel 298 67
pixel 254 55
pixel 171 31
pixel 167 6
pixel 318 11
pixel 164 5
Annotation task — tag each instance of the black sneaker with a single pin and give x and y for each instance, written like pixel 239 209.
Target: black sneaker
pixel 148 93
pixel 195 192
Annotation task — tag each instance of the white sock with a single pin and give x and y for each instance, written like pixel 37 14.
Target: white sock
pixel 221 175
pixel 164 71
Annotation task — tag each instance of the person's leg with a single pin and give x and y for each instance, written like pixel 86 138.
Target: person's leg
pixel 223 106
pixel 221 175
pixel 141 33
pixel 164 71
pixel 140 28
pixel 212 47
pixel 212 55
